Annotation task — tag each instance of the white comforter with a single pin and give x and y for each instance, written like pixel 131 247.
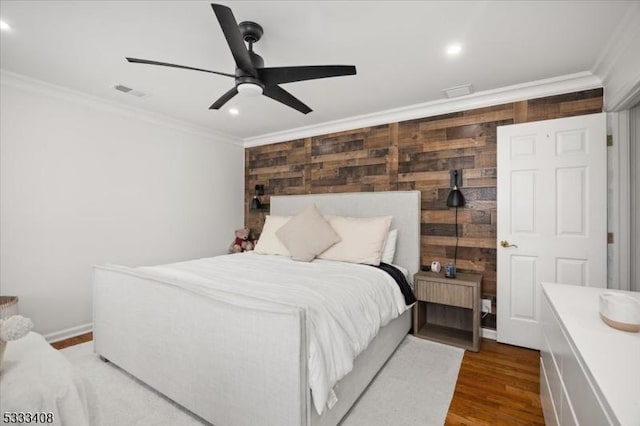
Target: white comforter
pixel 346 304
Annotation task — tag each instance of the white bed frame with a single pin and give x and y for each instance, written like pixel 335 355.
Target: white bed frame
pixel 203 362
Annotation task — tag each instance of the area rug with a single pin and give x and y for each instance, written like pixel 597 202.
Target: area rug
pixel 414 388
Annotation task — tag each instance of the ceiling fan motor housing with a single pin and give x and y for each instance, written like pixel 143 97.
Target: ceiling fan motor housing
pixel 251 31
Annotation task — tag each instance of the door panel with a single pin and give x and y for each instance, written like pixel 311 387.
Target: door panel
pixel 571 142
pixel 552 213
pixel 523 272
pixel 571 271
pixel 523 198
pixel 571 203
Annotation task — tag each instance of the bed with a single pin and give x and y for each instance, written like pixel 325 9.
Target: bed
pixel 243 360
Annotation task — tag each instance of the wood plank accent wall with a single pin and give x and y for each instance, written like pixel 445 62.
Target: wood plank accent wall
pixel 416 154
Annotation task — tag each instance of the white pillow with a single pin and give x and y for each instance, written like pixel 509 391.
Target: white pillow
pixel 361 239
pixel 269 243
pixel 389 251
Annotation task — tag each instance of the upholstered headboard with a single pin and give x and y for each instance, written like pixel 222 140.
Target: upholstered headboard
pixel 404 206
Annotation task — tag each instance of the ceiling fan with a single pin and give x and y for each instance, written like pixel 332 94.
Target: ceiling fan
pixel 251 77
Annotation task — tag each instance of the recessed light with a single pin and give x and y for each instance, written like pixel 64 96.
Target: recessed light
pixel 454 49
pixel 4 26
pixel 234 111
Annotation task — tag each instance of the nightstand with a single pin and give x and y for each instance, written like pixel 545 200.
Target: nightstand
pixel 448 309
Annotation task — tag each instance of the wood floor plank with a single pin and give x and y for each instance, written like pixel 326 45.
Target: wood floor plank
pixel 497 386
pixel 87 337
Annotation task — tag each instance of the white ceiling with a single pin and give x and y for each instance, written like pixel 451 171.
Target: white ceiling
pixel 397 47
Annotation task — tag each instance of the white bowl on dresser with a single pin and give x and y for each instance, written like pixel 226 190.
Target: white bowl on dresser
pixel 620 311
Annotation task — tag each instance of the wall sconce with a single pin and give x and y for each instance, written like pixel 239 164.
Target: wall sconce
pixel 455 199
pixel 255 202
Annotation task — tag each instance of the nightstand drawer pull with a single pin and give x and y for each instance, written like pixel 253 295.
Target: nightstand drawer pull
pixel 446 294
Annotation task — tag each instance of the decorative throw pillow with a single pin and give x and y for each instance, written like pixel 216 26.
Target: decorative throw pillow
pixel 307 234
pixel 269 243
pixel 389 251
pixel 361 239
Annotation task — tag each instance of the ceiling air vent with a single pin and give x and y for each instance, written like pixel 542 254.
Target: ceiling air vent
pixel 454 92
pixel 129 91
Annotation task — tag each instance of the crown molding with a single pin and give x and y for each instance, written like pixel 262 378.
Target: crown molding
pixel 38 86
pixel 618 65
pixel 540 88
pixel 519 92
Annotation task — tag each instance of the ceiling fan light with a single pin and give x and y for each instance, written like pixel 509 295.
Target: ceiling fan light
pixel 249 89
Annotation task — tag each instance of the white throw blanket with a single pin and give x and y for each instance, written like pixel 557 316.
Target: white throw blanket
pixel 346 304
pixel 37 379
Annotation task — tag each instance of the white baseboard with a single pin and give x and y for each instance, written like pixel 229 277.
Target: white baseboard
pixel 69 332
pixel 488 333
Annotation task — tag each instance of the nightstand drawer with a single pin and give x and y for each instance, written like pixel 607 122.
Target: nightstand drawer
pixel 445 293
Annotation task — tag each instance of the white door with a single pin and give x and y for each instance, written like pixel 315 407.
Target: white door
pixel 552 215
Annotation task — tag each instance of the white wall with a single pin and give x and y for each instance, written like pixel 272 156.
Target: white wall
pixel 83 185
pixel 634 160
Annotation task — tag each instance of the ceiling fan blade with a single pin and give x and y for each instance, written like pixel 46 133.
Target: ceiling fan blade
pixel 224 98
pixel 165 64
pixel 279 75
pixel 279 94
pixel 234 38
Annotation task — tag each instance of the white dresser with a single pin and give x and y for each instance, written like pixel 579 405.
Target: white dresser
pixel 589 372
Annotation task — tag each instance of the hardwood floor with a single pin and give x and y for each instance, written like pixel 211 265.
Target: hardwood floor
pixel 500 385
pixel 497 386
pixel 87 337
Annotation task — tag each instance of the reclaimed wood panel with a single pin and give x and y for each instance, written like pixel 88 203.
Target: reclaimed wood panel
pixel 283 168
pixel 415 155
pixel 363 160
pixel 567 105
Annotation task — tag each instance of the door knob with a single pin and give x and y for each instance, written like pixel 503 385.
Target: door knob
pixel 505 244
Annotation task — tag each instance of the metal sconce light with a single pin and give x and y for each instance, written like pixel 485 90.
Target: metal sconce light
pixel 455 199
pixel 255 202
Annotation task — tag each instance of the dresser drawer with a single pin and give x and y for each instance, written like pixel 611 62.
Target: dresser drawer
pixel 556 340
pixel 548 406
pixel 568 416
pixel 445 293
pixel 552 377
pixel 587 406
